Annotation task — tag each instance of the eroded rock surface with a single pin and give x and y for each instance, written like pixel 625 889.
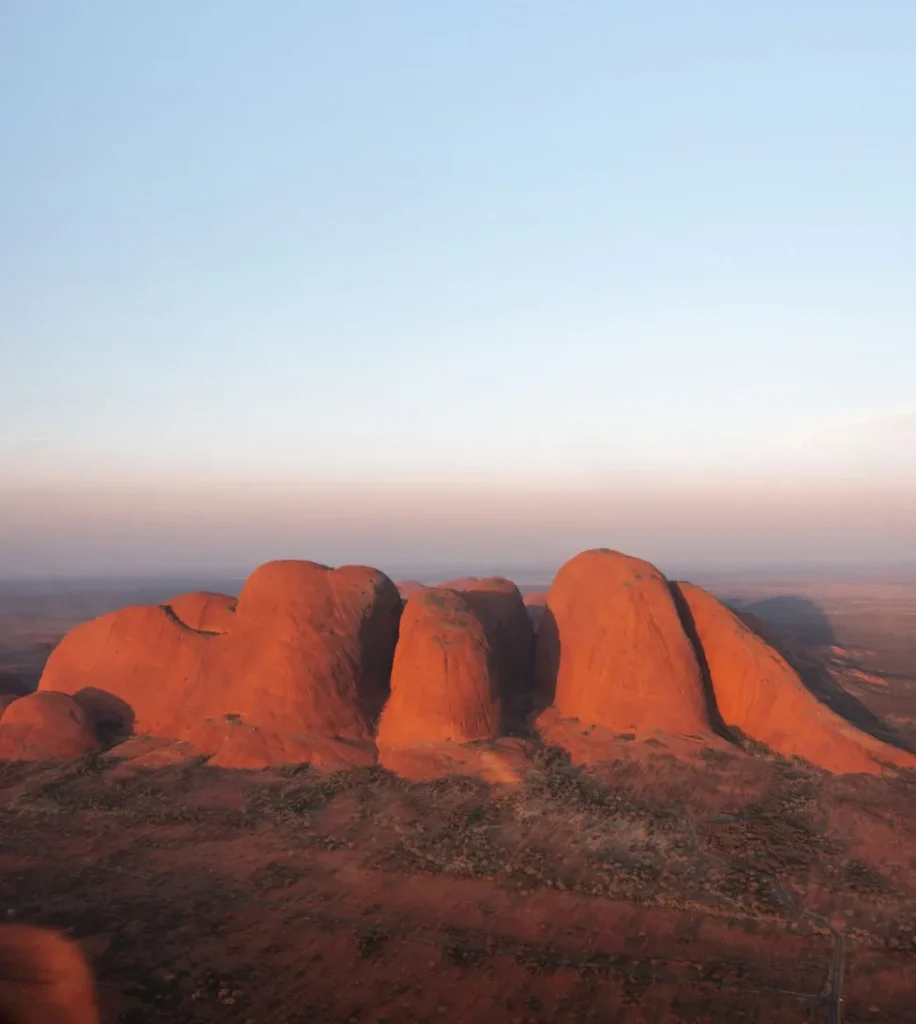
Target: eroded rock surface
pixel 611 649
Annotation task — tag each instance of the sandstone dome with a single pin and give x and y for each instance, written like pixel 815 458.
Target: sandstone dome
pixel 444 681
pixel 612 651
pixel 308 653
pixel 758 692
pixel 45 726
pixel 44 978
pixel 499 605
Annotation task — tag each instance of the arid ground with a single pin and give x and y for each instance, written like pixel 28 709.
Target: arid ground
pixel 675 883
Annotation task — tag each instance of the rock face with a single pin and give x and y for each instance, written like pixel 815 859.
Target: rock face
pixel 308 653
pixel 44 979
pixel 498 603
pixel 535 605
pixel 204 611
pixel 758 692
pixel 408 587
pixel 445 677
pixel 44 726
pixel 611 649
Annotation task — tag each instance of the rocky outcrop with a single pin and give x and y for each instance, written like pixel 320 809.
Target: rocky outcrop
pixel 44 979
pixel 611 649
pixel 758 692
pixel 445 678
pixel 45 726
pixel 308 653
pixel 499 605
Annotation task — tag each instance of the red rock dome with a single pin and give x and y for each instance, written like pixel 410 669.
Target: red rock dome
pixel 757 691
pixel 44 979
pixel 308 653
pixel 444 681
pixel 611 649
pixel 44 726
pixel 498 604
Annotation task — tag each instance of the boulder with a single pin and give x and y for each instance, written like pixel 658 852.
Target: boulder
pixel 44 979
pixel 45 726
pixel 758 692
pixel 611 649
pixel 307 652
pixel 444 681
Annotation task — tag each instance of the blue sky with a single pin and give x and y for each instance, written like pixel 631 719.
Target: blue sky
pixel 471 254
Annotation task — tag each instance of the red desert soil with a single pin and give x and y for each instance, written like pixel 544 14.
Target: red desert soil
pixel 308 655
pixel 44 979
pixel 45 725
pixel 611 649
pixel 714 888
pixel 757 691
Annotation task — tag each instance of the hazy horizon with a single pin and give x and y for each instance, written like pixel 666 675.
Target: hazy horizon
pixel 463 285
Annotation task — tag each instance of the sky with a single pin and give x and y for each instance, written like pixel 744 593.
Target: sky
pixel 471 284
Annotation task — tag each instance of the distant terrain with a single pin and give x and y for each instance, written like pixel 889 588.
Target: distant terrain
pixel 865 626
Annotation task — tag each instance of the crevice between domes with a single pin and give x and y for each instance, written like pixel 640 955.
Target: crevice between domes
pixel 684 613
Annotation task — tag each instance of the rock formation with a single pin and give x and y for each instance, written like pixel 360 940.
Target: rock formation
pixel 408 587
pixel 308 653
pixel 758 692
pixel 45 725
pixel 204 611
pixel 498 603
pixel 611 649
pixel 444 681
pixel 44 979
pixel 535 605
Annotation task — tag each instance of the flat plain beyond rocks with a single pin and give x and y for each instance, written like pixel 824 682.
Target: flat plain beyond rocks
pixel 676 880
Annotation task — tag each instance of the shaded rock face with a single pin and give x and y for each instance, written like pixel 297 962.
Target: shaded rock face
pixel 45 725
pixel 44 979
pixel 498 604
pixel 611 649
pixel 535 606
pixel 308 652
pixel 445 677
pixel 758 692
pixel 406 588
pixel 204 611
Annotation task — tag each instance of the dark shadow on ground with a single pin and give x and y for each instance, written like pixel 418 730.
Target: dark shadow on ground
pixel 815 673
pixel 797 618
